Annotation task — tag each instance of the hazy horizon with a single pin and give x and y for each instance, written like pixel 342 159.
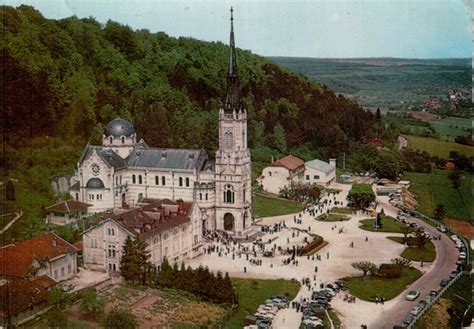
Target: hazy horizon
pixel 337 29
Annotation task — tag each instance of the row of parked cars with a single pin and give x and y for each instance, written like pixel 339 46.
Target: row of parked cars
pixel 314 311
pixel 267 311
pixel 413 295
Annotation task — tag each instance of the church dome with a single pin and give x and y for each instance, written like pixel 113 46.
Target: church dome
pixel 95 183
pixel 119 127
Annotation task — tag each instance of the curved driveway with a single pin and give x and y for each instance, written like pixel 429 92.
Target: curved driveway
pixel 445 262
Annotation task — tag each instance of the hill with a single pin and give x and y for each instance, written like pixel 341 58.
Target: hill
pixel 395 83
pixel 67 78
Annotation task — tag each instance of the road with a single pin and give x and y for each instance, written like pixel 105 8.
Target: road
pixel 445 262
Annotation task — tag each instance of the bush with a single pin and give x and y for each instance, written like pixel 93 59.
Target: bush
pixel 390 271
pixel 317 241
pixel 120 319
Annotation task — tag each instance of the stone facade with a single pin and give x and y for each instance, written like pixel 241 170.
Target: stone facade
pixel 123 171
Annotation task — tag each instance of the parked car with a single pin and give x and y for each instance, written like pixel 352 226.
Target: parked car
pixel 433 293
pixel 408 319
pixel 462 255
pixel 442 228
pixel 412 295
pixel 416 310
pixel 444 282
pixel 68 287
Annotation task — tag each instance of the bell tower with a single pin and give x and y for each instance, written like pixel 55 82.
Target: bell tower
pixel 233 163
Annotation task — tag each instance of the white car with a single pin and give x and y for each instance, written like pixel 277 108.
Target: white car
pixel 412 295
pixel 454 237
pixel 462 255
pixel 329 291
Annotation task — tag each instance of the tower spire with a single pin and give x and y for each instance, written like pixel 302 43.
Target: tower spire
pixel 232 101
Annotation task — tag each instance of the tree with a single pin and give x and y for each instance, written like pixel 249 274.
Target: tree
pixel 165 277
pixel 119 319
pixel 57 316
pixel 279 139
pixel 420 239
pixel 401 262
pixel 405 230
pixel 365 267
pixel 10 191
pixel 455 178
pixel 91 304
pixel 361 196
pixel 440 212
pixel 378 115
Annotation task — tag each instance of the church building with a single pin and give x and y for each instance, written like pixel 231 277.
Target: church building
pixel 125 170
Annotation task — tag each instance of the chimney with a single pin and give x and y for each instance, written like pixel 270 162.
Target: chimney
pixel 332 162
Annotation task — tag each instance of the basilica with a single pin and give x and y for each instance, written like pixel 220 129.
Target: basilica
pixel 124 172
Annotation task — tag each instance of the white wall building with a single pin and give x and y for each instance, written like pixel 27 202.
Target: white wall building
pixel 282 173
pixel 123 171
pixel 320 172
pixel 171 229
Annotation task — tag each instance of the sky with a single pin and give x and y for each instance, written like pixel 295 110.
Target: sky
pixel 298 28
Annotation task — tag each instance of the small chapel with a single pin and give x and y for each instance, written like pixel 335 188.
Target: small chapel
pixel 124 172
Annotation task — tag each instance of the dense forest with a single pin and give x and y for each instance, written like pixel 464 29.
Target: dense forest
pixel 67 78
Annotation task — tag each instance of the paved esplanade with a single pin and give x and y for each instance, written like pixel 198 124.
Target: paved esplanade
pixel 339 235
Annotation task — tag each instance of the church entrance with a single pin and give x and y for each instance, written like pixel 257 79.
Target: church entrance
pixel 229 222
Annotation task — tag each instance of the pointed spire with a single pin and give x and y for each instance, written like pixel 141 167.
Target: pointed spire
pixel 232 70
pixel 232 101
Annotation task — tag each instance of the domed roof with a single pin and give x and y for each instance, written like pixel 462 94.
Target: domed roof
pixel 95 183
pixel 119 127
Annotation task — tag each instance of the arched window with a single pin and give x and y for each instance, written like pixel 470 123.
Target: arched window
pixel 139 179
pixel 157 180
pixel 243 139
pixel 134 180
pixel 181 181
pixel 206 196
pixel 163 180
pixel 187 182
pixel 111 140
pixel 228 140
pixel 229 195
pixel 200 196
pixel 123 140
pixel 244 193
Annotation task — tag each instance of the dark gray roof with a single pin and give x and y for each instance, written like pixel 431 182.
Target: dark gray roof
pixel 119 127
pixel 95 183
pixel 75 186
pixel 111 158
pixel 185 159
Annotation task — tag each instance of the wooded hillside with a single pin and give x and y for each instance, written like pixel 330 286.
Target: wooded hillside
pixel 67 78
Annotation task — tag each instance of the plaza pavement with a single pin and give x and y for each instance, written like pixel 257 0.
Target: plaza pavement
pixel 377 249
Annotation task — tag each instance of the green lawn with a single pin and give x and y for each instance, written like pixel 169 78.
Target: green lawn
pixel 437 147
pixel 435 188
pixel 266 206
pixel 426 254
pixel 339 210
pixel 389 224
pixel 253 292
pixel 332 218
pixel 369 287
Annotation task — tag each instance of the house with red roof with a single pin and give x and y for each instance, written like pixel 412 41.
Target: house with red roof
pixel 282 173
pixel 172 229
pixel 46 255
pixel 66 212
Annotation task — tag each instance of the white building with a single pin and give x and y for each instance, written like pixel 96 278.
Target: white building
pixel 171 229
pixel 46 255
pixel 66 212
pixel 124 170
pixel 320 172
pixel 282 173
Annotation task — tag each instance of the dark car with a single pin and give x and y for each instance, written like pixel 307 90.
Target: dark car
pixel 433 293
pixel 444 282
pixel 408 319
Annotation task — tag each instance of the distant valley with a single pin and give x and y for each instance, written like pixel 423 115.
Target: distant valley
pixel 391 83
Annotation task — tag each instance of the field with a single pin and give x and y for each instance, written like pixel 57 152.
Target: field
pixel 435 188
pixel 385 82
pixel 437 147
pixel 389 224
pixel 369 287
pixel 427 254
pixel 450 127
pixel 267 206
pixel 253 292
